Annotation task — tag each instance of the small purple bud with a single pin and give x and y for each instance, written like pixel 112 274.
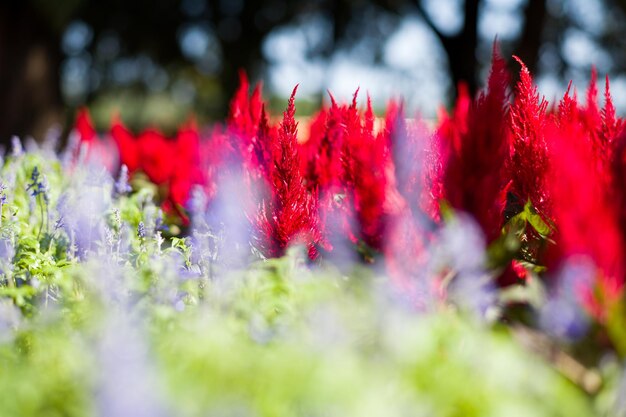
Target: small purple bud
pixel 3 194
pixel 60 223
pixel 121 185
pixel 34 176
pixel 159 224
pixel 141 230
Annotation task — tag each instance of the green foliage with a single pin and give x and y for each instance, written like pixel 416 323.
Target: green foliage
pixel 275 337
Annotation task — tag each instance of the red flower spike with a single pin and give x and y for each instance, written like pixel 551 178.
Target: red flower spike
pixel 289 216
pixel 369 118
pixel 309 148
pixel 328 158
pixel 408 149
pixel 261 154
pixel 591 114
pixel 568 110
pixel 452 127
pixel 249 130
pixel 84 126
pixel 214 155
pixel 187 172
pixel 612 126
pixel 586 214
pixel 329 166
pixel 257 107
pixel 432 191
pixel 239 105
pixel 367 173
pixel 156 156
pixel 591 119
pixel 98 151
pixel 126 144
pixel 475 179
pixel 529 163
pixel 592 90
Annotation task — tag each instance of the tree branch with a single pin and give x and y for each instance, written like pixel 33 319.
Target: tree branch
pixel 429 22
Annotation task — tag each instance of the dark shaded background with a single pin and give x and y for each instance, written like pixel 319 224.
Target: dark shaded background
pixel 156 60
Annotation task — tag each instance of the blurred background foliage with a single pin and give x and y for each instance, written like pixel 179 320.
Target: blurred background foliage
pixel 156 61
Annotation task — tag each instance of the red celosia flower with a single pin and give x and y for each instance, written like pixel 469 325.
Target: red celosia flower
pixel 156 156
pixel 603 125
pixel 585 211
pixel 240 118
pixel 259 152
pixel 250 139
pixel 475 179
pixel 404 151
pixel 413 196
pixel 322 153
pixel 367 172
pixel 452 127
pixel 328 174
pixel 175 165
pixel 433 158
pixel 187 172
pixel 309 148
pixel 249 128
pixel 126 144
pixel 529 151
pixel 588 197
pixel 612 126
pixel 417 162
pixel 590 114
pixel 84 126
pixel 97 150
pixel 289 215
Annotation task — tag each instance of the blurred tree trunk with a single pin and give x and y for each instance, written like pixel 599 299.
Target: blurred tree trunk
pixel 245 50
pixel 239 50
pixel 30 97
pixel 530 41
pixel 461 47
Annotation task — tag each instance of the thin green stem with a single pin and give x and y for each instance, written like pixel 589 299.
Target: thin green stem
pixel 42 218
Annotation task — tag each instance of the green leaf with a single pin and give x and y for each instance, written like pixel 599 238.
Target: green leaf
pixel 535 220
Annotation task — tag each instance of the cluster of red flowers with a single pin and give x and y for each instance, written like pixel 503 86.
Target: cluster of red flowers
pixel 552 175
pixel 173 164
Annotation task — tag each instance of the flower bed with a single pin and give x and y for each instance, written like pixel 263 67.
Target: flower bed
pixel 241 270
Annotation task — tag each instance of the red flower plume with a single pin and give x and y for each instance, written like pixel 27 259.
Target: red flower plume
pixel 529 152
pixel 475 179
pixel 186 172
pixel 84 126
pixel 586 213
pixel 156 153
pixel 126 144
pixel 289 215
pixel 97 149
pixel 368 165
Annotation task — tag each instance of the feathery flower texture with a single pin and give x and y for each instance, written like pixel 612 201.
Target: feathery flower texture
pixel 552 177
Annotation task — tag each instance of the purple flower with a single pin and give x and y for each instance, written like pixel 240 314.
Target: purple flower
pixel 141 230
pixel 562 315
pixel 38 185
pixel 121 185
pixel 3 195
